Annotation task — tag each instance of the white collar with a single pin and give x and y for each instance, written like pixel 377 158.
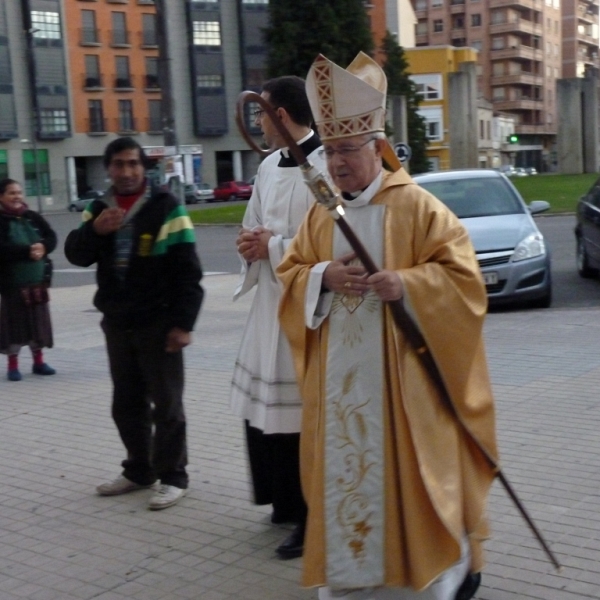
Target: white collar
pixel 366 195
pixel 286 151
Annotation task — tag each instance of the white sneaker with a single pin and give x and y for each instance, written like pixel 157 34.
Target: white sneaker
pixel 121 485
pixel 166 496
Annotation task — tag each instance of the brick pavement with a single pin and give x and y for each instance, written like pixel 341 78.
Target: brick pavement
pixel 59 541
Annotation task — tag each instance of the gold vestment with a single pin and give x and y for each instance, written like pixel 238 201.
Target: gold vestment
pixel 436 478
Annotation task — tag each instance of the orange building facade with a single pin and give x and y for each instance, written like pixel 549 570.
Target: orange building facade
pixel 113 61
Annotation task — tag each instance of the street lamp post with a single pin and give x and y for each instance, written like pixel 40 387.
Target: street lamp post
pixel 31 70
pixel 167 104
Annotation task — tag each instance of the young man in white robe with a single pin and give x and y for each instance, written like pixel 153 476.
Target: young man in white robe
pixel 264 391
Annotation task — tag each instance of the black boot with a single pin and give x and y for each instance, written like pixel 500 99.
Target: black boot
pixel 293 545
pixel 468 587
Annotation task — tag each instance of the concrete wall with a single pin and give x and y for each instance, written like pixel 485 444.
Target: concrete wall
pixel 463 125
pixel 577 140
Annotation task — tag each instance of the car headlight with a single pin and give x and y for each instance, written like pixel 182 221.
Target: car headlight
pixel 533 245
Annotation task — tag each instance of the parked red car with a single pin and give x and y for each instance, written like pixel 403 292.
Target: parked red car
pixel 232 190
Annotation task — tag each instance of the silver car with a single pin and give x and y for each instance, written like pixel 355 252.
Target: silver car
pixel 512 253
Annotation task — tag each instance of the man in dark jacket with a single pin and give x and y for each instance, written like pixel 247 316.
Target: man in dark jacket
pixel 148 275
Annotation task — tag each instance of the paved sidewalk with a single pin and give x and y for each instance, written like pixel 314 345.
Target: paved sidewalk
pixel 59 541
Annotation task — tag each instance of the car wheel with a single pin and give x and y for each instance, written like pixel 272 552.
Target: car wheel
pixel 583 264
pixel 72 208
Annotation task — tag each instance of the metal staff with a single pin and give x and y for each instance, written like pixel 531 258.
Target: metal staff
pixel 326 196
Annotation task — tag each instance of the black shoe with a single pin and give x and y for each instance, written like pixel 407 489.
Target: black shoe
pixel 278 518
pixel 468 587
pixel 293 545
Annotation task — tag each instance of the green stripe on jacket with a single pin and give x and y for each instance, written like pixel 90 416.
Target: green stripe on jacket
pixel 177 229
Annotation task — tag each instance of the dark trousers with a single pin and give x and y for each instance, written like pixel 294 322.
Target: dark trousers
pixel 148 403
pixel 275 471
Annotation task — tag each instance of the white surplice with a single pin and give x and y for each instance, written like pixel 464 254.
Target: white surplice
pixel 264 389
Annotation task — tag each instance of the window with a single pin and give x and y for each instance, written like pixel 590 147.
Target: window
pixel 481 128
pixel 154 116
pixel 45 24
pixel 498 16
pixel 92 71
pixel 429 87
pixel 36 175
pixel 497 69
pixel 126 121
pixel 120 35
pixel 96 116
pixel 497 43
pixel 209 81
pixel 476 44
pixel 421 5
pixel 152 80
pixel 437 3
pixel 207 33
pixel 89 32
pixel 438 25
pixel 498 93
pixel 421 27
pixel 488 130
pixel 458 23
pixel 53 121
pixel 476 20
pixel 149 30
pixel 123 79
pixel 433 122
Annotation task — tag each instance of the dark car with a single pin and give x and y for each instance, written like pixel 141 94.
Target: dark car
pixel 83 200
pixel 233 190
pixel 587 232
pixel 511 251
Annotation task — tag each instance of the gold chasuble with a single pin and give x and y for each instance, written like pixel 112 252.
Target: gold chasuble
pixel 392 481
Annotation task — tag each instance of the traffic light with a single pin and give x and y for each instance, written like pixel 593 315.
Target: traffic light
pixel 513 138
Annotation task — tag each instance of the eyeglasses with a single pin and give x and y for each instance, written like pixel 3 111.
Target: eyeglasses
pixel 344 151
pixel 258 113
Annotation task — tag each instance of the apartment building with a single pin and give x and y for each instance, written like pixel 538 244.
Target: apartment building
pixel 520 47
pixel 579 38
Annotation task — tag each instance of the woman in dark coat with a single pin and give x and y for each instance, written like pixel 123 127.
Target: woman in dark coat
pixel 26 239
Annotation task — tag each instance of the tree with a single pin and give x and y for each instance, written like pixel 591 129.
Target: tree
pixel 400 84
pixel 299 30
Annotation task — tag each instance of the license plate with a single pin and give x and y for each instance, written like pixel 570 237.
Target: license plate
pixel 490 278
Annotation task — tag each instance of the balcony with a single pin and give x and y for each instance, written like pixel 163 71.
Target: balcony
pixel 125 124
pixel 520 52
pixel 93 83
pixel 120 39
pixel 151 83
pixel 586 38
pixel 96 126
pixel 545 128
pixel 89 36
pixel 148 39
pixel 530 4
pixel 516 79
pixel 154 126
pixel 517 26
pixel 124 83
pixel 520 104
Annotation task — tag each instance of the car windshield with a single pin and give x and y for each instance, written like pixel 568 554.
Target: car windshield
pixel 475 197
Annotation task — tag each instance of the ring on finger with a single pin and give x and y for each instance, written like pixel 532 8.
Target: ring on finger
pixel 348 285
